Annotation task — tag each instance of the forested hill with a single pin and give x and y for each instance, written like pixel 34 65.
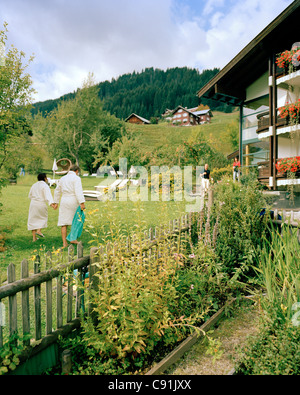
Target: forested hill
pixel 149 93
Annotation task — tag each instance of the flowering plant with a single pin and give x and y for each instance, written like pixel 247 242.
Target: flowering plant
pixel 284 59
pixel 290 110
pixel 288 164
pixel 288 58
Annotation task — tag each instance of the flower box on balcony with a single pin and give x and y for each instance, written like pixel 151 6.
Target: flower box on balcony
pixel 286 165
pixel 290 113
pixel 288 61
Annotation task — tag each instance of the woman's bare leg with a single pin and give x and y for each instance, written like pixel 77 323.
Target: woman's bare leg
pixel 34 235
pixel 64 235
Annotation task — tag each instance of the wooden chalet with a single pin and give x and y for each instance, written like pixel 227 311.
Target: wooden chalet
pixel 189 117
pixel 261 89
pixel 136 119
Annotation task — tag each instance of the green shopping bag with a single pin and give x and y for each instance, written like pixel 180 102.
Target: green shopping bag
pixel 77 225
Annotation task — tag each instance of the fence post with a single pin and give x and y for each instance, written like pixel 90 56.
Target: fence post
pixel 12 302
pixel 80 282
pixel 66 362
pixel 70 285
pixel 25 304
pixel 210 197
pixel 94 259
pixel 48 296
pixel 37 302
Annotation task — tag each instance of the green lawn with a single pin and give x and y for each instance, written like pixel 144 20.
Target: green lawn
pixel 19 245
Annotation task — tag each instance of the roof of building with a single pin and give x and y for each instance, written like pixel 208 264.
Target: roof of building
pixel 203 112
pixel 137 116
pixel 191 111
pixel 253 61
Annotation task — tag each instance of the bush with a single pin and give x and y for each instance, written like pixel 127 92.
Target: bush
pixel 218 174
pixel 275 350
pixel 237 209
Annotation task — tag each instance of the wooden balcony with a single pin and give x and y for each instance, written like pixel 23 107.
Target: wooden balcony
pixel 279 72
pixel 264 122
pixel 264 173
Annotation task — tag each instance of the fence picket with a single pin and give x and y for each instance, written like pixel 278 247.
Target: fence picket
pixel 12 302
pixel 80 283
pixel 48 296
pixel 25 303
pixel 59 308
pixel 37 302
pixel 94 258
pixel 70 285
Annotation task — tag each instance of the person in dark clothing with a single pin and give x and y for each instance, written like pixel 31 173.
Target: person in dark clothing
pixel 206 178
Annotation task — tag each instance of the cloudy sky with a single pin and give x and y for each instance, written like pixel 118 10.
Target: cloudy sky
pixel 71 38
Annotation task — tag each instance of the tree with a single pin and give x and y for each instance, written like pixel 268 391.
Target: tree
pixel 78 128
pixel 15 100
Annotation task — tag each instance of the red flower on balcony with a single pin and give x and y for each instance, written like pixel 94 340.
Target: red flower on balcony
pixel 287 58
pixel 288 164
pixel 284 59
pixel 290 110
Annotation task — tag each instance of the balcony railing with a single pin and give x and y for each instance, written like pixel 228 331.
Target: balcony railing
pixel 264 122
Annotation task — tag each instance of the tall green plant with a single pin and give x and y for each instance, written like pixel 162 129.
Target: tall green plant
pixel 237 208
pixel 279 273
pixel 275 348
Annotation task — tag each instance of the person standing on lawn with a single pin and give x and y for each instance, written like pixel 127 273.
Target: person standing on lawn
pixel 206 178
pixel 236 169
pixel 41 198
pixel 70 194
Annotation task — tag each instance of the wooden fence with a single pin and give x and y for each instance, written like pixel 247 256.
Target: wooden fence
pixel 32 297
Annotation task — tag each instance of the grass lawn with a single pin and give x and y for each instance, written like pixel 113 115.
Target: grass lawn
pixel 19 245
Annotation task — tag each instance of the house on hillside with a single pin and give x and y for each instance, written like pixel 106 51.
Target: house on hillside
pixel 204 115
pixel 189 117
pixel 263 80
pixel 136 119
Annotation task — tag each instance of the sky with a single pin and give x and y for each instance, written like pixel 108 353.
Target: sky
pixel 72 38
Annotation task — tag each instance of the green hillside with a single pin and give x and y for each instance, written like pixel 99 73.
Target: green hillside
pixel 148 93
pixel 218 133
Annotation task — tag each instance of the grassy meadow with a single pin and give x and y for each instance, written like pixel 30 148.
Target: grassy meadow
pixel 152 136
pixel 102 215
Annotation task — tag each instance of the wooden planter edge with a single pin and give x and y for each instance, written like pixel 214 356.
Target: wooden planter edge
pixel 183 347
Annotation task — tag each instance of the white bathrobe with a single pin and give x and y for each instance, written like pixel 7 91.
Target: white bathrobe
pixel 69 190
pixel 41 198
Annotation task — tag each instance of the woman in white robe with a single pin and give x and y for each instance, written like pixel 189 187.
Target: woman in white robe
pixel 41 198
pixel 70 194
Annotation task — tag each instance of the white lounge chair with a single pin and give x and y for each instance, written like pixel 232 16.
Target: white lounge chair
pixel 107 188
pixel 93 195
pixel 123 184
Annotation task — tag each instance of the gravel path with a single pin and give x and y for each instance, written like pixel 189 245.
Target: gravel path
pixel 231 333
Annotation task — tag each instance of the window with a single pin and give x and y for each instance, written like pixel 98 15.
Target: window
pixel 254 150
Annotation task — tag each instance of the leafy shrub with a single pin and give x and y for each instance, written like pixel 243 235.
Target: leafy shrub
pixel 275 350
pixel 237 209
pixel 218 174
